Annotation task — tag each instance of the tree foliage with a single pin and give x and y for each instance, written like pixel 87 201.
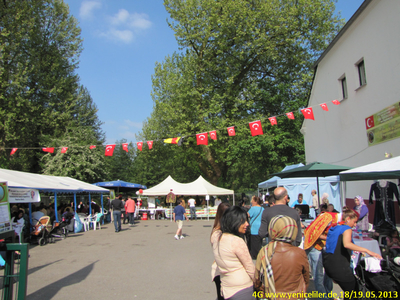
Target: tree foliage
pixel 241 61
pixel 41 101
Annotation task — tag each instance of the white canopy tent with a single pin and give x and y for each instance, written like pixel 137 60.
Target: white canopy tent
pixel 48 183
pixel 199 187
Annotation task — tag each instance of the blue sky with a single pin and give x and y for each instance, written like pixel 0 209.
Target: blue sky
pixel 123 39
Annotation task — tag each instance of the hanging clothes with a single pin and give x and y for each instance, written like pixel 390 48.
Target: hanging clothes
pixel 384 202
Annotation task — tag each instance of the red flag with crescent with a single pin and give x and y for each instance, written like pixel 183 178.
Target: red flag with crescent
pixel 255 128
pixel 290 115
pixel 13 150
pixel 125 147
pixel 150 144
pixel 92 147
pixel 109 150
pixel 231 131
pixel 369 122
pixel 308 113
pixel 48 149
pixel 139 145
pixel 64 149
pixel 202 138
pixel 213 134
pixel 273 121
pixel 324 106
pixel 336 102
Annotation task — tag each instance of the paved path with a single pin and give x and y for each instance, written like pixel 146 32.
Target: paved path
pixel 140 262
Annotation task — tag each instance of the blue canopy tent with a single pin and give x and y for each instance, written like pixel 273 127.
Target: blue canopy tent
pixel 120 186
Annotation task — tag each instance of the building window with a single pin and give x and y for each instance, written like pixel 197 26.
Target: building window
pixel 344 87
pixel 361 73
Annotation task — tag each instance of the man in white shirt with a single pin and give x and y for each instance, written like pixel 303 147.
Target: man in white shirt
pixel 192 206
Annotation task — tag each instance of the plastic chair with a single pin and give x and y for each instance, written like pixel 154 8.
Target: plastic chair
pixel 96 219
pixel 85 222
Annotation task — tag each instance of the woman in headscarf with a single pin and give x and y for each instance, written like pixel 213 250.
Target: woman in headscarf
pixel 362 210
pixel 325 199
pixel 282 267
pixel 232 256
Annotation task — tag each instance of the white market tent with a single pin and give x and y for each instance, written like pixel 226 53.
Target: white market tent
pixel 48 183
pixel 384 169
pixel 199 187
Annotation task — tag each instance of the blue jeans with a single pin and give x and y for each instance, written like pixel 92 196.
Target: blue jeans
pixel 131 217
pixel 322 282
pixel 117 219
pixel 193 212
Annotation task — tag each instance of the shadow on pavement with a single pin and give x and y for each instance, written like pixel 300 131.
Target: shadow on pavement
pixel 49 291
pixel 33 270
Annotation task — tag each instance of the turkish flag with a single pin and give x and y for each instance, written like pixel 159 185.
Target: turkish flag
pixel 290 115
pixel 92 147
pixel 49 149
pixel 324 106
pixel 64 149
pixel 336 102
pixel 369 122
pixel 273 121
pixel 125 147
pixel 109 150
pixel 255 128
pixel 213 135
pixel 139 145
pixel 202 138
pixel 150 144
pixel 13 150
pixel 231 131
pixel 308 113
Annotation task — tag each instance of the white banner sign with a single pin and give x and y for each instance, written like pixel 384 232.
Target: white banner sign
pixel 16 195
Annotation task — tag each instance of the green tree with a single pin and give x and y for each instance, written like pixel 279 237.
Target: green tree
pixel 120 165
pixel 39 49
pixel 241 61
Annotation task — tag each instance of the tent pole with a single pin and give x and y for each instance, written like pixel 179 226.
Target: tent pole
pixel 30 216
pixel 55 205
pixel 102 208
pixel 75 202
pixel 233 198
pixel 171 211
pixel 319 199
pixel 343 193
pixel 90 205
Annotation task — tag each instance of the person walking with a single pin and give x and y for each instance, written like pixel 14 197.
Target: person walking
pixel 179 215
pixel 130 207
pixel 192 206
pixel 117 206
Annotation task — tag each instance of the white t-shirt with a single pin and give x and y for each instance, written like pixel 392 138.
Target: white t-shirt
pixel 192 202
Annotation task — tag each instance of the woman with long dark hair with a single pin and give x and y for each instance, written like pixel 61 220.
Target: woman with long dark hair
pixel 232 255
pixel 215 275
pixel 255 214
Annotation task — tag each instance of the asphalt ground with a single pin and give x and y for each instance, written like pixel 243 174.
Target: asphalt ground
pixel 140 262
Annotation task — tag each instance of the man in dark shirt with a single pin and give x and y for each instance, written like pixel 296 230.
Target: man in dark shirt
pixel 280 208
pixel 116 206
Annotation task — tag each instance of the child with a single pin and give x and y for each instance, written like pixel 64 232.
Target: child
pixel 393 243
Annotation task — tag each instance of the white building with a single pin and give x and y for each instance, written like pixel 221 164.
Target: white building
pixel 361 69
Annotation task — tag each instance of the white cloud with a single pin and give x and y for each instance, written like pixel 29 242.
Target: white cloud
pixel 87 7
pixel 134 21
pixel 125 36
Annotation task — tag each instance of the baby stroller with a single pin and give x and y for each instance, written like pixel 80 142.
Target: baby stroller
pixel 40 232
pixel 380 285
pixel 61 229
